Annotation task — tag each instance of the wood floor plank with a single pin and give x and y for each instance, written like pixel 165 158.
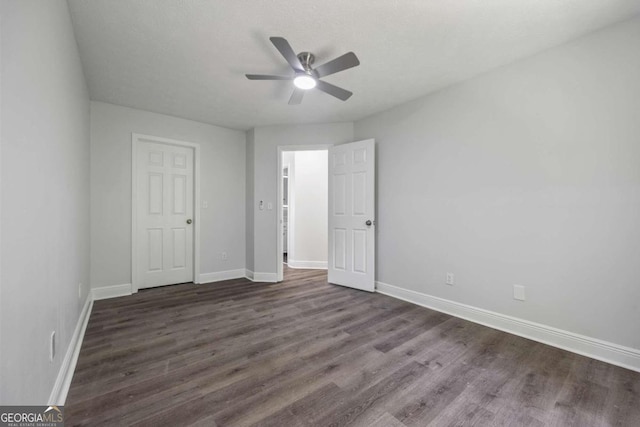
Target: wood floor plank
pixel 491 390
pixel 307 410
pixel 377 395
pixel 248 346
pixel 387 420
pixel 240 326
pixel 307 353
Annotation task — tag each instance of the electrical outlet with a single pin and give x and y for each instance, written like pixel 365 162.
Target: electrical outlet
pixel 450 279
pixel 52 346
pixel 224 256
pixel 518 292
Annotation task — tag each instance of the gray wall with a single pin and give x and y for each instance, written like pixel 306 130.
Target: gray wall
pixel 526 175
pixel 222 185
pixel 266 140
pixel 249 200
pixel 45 195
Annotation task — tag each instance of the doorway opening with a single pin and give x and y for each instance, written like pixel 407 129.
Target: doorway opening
pixel 302 208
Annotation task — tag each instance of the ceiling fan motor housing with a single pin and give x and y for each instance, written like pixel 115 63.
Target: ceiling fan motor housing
pixel 306 59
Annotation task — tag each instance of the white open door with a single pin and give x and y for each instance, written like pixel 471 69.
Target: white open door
pixel 351 215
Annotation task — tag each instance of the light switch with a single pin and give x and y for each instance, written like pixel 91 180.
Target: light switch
pixel 269 206
pixel 518 292
pixel 450 279
pixel 261 205
pixel 205 204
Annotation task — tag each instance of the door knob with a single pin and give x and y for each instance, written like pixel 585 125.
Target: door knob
pixel 189 221
pixel 368 223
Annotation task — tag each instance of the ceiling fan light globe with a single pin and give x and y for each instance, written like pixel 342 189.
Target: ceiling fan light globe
pixel 304 82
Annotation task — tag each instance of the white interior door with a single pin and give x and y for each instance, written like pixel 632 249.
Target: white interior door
pixel 164 223
pixel 351 215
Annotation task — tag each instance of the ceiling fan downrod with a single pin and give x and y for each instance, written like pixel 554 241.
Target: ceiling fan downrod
pixel 306 59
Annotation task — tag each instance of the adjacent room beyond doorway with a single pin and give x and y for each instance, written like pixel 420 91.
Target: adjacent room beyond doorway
pixel 304 208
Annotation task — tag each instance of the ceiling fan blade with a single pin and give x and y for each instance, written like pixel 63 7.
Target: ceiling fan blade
pixel 344 62
pixel 296 96
pixel 333 90
pixel 266 77
pixel 285 50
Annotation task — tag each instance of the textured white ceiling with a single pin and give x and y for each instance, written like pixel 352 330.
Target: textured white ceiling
pixel 187 58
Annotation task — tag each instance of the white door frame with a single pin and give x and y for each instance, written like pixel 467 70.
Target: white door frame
pixel 136 138
pixel 279 246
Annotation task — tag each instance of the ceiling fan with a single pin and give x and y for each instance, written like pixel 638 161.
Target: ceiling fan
pixel 305 77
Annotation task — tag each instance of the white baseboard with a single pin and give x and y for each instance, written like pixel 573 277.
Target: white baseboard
pixel 219 276
pixel 265 277
pixel 615 354
pixel 65 374
pixel 317 265
pixel 112 291
pixel 260 277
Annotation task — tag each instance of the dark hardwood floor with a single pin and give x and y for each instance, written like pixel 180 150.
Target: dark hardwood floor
pixel 306 353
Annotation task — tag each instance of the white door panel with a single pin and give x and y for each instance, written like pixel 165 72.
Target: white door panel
pixel 351 215
pixel 164 196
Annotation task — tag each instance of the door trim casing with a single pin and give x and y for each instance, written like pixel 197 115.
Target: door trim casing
pixel 136 138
